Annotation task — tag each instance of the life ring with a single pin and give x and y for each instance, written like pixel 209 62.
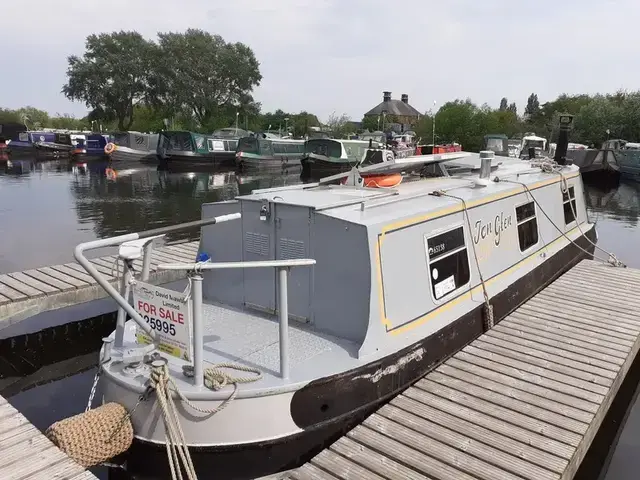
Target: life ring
pixel 109 148
pixel 111 174
pixel 382 181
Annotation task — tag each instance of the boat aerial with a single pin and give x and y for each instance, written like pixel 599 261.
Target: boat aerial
pixel 312 304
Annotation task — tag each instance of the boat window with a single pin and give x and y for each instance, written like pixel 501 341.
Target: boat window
pixel 325 147
pixel 291 147
pixel 527 225
pixel 569 201
pixel 199 141
pixel 248 144
pixel 448 262
pixel 215 145
pixel 278 148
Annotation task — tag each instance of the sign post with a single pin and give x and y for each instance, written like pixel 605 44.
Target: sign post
pixel 169 314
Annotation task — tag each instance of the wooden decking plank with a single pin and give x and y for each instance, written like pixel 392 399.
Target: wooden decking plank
pixel 190 253
pixel 591 306
pixel 622 285
pixel 611 345
pixel 558 364
pixel 453 456
pixel 37 284
pixel 23 288
pixel 63 277
pixel 385 466
pixel 458 412
pixel 612 273
pixel 106 272
pixel 529 339
pixel 12 294
pixel 409 455
pixel 564 416
pixel 342 467
pixel 589 348
pixel 587 298
pixel 602 291
pixel 49 280
pixel 528 383
pixel 16 452
pixel 310 472
pixel 80 275
pixel 4 299
pixel 510 365
pixel 481 449
pixel 569 314
pixel 169 258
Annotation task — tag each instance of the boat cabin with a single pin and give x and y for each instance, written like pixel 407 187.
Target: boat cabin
pixel 271 147
pixel 497 143
pixel 348 151
pixel 136 140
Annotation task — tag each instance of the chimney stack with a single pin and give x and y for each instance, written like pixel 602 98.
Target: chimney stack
pixel 405 98
pixel 386 96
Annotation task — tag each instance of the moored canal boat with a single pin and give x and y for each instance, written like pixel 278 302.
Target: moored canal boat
pixel 332 299
pixel 46 143
pixel 129 148
pixel 180 149
pixel 325 156
pixel 269 151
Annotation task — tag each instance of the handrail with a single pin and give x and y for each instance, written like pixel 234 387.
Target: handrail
pixel 282 266
pixel 78 253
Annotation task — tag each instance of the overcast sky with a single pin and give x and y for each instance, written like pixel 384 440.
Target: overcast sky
pixel 338 56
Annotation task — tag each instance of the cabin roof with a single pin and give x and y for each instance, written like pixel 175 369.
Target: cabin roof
pixel 382 206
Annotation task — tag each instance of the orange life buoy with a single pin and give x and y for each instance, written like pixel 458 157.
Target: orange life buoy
pixel 382 181
pixel 109 148
pixel 111 174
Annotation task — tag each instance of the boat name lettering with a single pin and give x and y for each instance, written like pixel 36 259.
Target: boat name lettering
pixel 492 228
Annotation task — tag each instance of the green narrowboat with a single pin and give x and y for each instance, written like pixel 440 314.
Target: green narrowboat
pixel 267 150
pixel 330 155
pixel 180 148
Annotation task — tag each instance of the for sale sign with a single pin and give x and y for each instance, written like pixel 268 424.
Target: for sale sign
pixel 168 313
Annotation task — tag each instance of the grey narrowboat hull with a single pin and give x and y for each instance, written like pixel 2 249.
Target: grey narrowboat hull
pixel 316 165
pixel 591 160
pixel 250 160
pixel 128 155
pixel 326 408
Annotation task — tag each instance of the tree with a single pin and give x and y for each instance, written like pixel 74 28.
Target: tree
pixel 371 123
pixel 340 126
pixel 503 104
pixel 532 110
pixel 512 108
pixel 112 75
pixel 32 117
pixel 204 73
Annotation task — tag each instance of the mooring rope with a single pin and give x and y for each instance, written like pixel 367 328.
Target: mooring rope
pixel 550 166
pixel 175 443
pixel 487 304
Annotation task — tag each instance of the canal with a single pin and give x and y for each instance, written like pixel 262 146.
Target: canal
pixel 46 208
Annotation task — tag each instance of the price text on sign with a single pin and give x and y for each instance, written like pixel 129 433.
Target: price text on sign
pixel 168 314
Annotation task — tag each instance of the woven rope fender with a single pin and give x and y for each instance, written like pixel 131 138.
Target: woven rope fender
pixel 85 437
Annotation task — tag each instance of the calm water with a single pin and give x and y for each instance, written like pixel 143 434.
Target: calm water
pixel 46 208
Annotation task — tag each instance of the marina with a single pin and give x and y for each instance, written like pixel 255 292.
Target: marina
pixel 321 347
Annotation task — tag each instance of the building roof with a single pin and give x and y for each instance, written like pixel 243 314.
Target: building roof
pixel 394 107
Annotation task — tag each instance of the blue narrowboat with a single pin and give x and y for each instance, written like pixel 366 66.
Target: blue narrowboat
pixel 41 143
pixel 92 147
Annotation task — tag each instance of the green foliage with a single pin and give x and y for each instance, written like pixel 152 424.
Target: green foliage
pixel 112 75
pixel 205 74
pixel 503 104
pixel 340 125
pixel 532 111
pixel 371 123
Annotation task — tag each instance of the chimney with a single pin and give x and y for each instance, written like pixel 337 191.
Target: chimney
pixel 386 96
pixel 405 98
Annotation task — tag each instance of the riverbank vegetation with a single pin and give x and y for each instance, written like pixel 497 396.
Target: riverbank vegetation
pixel 197 81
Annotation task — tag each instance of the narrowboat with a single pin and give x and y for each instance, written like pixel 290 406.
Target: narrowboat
pixel 41 143
pixel 267 150
pixel 332 297
pixel 330 155
pixel 533 144
pixel 132 147
pixel 608 159
pixel 92 147
pixel 184 149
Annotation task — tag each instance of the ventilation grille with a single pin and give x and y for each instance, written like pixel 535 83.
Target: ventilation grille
pixel 256 243
pixel 291 249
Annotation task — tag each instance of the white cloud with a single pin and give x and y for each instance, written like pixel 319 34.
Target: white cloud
pixel 339 55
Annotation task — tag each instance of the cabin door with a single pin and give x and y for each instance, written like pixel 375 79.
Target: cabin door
pixel 292 242
pixel 258 245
